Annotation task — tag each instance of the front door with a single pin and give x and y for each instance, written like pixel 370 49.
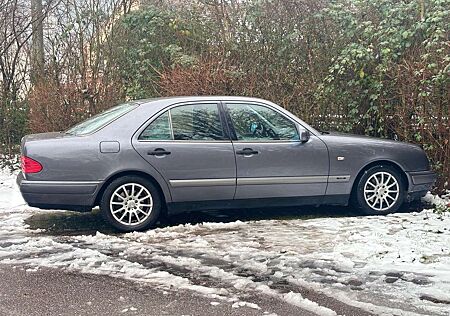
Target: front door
pixel 187 144
pixel 271 161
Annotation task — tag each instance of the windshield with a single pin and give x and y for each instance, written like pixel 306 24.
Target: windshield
pixel 100 120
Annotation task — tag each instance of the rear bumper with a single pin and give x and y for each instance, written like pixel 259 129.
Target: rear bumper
pixel 420 182
pixel 68 195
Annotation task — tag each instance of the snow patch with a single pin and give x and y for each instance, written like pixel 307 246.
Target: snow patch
pixel 245 304
pixel 437 201
pixel 297 300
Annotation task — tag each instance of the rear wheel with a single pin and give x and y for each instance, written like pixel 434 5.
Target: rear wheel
pixel 131 203
pixel 380 190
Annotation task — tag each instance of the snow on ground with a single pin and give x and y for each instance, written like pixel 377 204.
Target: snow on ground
pixel 397 264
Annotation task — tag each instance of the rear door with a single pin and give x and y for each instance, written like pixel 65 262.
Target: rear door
pixel 191 149
pixel 271 160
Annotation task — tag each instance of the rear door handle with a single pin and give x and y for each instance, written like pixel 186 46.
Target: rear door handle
pixel 247 152
pixel 159 152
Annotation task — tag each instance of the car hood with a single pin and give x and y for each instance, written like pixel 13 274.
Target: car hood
pixel 348 137
pixel 411 157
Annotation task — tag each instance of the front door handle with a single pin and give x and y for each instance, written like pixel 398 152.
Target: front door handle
pixel 247 152
pixel 159 152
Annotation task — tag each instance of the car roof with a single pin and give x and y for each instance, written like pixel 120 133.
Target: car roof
pixel 180 99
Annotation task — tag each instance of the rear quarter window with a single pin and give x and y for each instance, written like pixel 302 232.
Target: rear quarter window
pixel 100 120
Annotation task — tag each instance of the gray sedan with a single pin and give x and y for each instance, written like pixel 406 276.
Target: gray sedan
pixel 142 159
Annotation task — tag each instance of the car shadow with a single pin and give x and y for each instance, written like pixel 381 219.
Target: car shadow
pixel 89 223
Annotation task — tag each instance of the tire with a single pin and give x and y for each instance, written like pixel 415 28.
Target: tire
pixel 375 191
pixel 124 206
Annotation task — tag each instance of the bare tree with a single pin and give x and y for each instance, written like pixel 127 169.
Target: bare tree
pixel 16 31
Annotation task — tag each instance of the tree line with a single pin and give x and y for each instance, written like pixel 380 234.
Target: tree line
pixel 375 67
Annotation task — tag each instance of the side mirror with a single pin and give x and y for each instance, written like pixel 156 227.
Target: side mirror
pixel 304 135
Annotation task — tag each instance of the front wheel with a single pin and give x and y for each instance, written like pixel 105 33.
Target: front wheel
pixel 380 190
pixel 131 203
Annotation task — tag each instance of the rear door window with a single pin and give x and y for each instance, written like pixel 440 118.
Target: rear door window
pixel 192 122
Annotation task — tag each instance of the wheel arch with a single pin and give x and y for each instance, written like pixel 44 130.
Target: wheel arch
pixel 381 162
pixel 165 196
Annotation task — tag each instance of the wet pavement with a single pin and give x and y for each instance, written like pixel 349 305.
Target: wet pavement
pixel 78 223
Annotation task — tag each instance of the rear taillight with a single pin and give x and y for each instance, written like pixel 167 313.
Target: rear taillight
pixel 30 165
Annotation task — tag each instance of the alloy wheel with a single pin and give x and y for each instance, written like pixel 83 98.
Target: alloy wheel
pixel 381 191
pixel 131 204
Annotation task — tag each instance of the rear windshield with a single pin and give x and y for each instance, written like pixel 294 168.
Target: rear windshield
pixel 100 120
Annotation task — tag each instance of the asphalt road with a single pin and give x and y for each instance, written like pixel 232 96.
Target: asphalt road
pixel 54 292
pixel 57 292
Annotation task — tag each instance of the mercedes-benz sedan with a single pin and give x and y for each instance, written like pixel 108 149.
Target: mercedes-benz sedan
pixel 142 159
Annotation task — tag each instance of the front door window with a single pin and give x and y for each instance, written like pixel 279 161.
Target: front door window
pixel 254 122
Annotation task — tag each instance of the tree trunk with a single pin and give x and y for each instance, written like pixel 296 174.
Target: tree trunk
pixel 37 51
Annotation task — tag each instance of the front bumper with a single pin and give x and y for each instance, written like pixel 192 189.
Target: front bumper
pixel 67 195
pixel 420 182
